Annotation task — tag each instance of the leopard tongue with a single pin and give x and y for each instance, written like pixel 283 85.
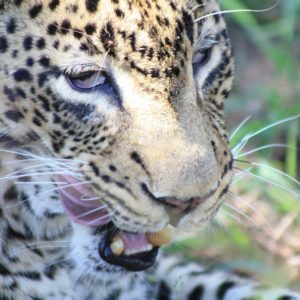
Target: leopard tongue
pixel 86 212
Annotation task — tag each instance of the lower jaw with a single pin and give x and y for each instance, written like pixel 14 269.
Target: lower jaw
pixel 133 263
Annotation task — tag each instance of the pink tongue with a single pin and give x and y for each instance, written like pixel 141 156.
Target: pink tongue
pixel 89 212
pixel 83 207
pixel 134 241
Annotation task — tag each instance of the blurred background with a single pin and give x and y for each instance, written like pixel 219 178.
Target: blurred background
pixel 258 228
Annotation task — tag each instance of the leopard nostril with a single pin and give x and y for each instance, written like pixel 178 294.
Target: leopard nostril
pixel 180 205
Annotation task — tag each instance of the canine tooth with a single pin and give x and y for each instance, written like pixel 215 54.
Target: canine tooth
pixel 117 246
pixel 162 237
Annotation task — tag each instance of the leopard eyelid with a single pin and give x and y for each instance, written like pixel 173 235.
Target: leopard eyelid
pixel 83 68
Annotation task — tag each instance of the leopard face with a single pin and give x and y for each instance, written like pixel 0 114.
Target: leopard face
pixel 132 92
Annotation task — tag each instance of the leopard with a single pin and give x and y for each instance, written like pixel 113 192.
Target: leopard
pixel 113 130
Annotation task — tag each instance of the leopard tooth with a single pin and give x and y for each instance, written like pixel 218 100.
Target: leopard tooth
pixel 162 237
pixel 147 248
pixel 117 246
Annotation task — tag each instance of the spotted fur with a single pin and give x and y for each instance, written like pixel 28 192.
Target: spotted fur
pixel 154 131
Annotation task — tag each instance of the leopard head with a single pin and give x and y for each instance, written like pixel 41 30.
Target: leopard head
pixel 133 93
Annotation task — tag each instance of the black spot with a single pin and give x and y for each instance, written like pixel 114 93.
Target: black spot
pixel 18 2
pixel 27 43
pixel 44 61
pixel 9 93
pixel 77 33
pixel 3 44
pixel 136 157
pixel 217 18
pixel 172 71
pixel 65 26
pixel 50 271
pixel 91 5
pixel 41 43
pixel 94 168
pixel 3 270
pixel 115 294
pixel 222 290
pixel 14 115
pixel 90 28
pixel 44 76
pixel 155 73
pixel 35 10
pixel 188 24
pixel 20 93
pixel 52 28
pixel 196 293
pixel 119 13
pixel 11 194
pixel 22 75
pixel 11 26
pixel 56 44
pixel 112 168
pixel 107 37
pixel 53 4
pixel 32 275
pixel 106 178
pixel 15 54
pixel 45 102
pixel 164 292
pixel 29 62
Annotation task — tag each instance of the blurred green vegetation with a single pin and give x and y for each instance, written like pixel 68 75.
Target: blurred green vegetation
pixel 259 229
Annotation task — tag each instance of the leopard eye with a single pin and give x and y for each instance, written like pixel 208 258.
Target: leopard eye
pixel 87 81
pixel 201 57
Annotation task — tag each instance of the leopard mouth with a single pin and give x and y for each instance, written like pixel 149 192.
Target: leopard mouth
pixel 138 256
pixel 131 251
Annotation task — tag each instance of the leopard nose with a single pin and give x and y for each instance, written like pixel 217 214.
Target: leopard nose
pixel 180 206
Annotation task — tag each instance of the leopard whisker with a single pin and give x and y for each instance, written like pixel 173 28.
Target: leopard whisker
pixel 36 174
pixel 237 149
pixel 262 179
pixel 241 213
pixel 100 219
pixel 223 12
pixel 266 147
pixel 195 8
pixel 255 164
pixel 141 277
pixel 251 207
pixel 239 127
pixel 92 211
pixel 233 216
pixel 70 256
pixel 45 192
pixel 39 182
pixel 101 67
pixel 89 199
pixel 19 172
pixel 25 153
pixel 241 175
